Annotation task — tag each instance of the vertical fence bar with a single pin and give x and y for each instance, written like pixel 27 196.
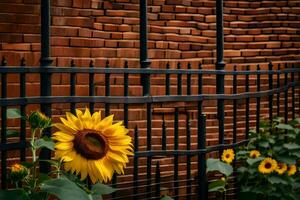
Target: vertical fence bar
pixel 278 94
pixel 176 134
pixel 73 86
pixel 247 103
pixel 293 92
pixel 107 89
pixel 157 181
pixel 201 142
pixel 188 81
pixel 149 146
pixel 179 81
pixel 135 164
pixel 200 87
pixel 91 86
pixel 258 100
pixel 168 80
pixel 164 135
pixel 3 127
pixel 176 115
pixel 23 112
pixel 220 65
pixel 188 158
pixel 202 157
pixel 126 94
pixel 286 98
pixel 45 77
pixel 234 127
pixel 145 80
pixel 271 95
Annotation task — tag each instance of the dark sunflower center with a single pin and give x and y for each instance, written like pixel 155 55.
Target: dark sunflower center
pixel 268 165
pixel 227 155
pixel 90 144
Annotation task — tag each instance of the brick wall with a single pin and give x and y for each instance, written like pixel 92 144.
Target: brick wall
pixel 179 30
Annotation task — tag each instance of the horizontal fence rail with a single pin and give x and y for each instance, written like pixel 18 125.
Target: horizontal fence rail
pixel 170 158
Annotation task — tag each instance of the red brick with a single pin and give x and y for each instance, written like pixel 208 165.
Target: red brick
pixel 272 45
pixel 232 53
pixel 246 38
pixel 16 46
pixel 84 42
pixel 104 52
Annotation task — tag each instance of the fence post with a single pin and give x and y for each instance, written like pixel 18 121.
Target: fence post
pixel 202 182
pixel 145 81
pixel 3 127
pixel 45 77
pixel 270 96
pixel 220 66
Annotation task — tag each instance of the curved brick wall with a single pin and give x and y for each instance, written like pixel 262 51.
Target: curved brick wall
pixel 255 31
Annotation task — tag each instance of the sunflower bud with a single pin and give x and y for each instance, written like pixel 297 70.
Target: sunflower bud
pixel 18 172
pixel 38 120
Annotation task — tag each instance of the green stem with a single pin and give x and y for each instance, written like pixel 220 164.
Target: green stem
pixel 17 186
pixel 33 150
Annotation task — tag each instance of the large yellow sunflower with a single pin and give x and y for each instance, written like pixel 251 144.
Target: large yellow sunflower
pixel 96 148
pixel 291 169
pixel 228 156
pixel 268 165
pixel 254 154
pixel 281 168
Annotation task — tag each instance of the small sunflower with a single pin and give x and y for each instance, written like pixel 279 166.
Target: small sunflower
pixel 254 154
pixel 228 156
pixel 96 148
pixel 291 169
pixel 268 165
pixel 281 168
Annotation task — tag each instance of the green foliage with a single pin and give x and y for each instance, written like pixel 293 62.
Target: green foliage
pixel 13 113
pixel 217 165
pixel 280 142
pixel 44 142
pixel 166 197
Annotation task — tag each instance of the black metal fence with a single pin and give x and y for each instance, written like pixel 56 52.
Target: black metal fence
pixel 149 184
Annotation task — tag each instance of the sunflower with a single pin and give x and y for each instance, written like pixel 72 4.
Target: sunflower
pixel 254 154
pixel 96 148
pixel 281 168
pixel 291 170
pixel 268 165
pixel 228 156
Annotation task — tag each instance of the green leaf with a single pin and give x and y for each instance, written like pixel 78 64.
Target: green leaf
pixel 64 189
pixel 251 161
pixel 276 180
pixel 287 159
pixel 218 185
pixel 12 133
pixel 291 146
pixel 13 195
pixel 13 113
pixel 284 126
pixel 264 144
pixel 100 188
pixel 297 153
pixel 217 165
pixel 166 197
pixel 44 142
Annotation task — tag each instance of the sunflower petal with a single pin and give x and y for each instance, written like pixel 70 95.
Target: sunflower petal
pixel 62 137
pixel 64 145
pixel 106 122
pixel 74 120
pixel 64 128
